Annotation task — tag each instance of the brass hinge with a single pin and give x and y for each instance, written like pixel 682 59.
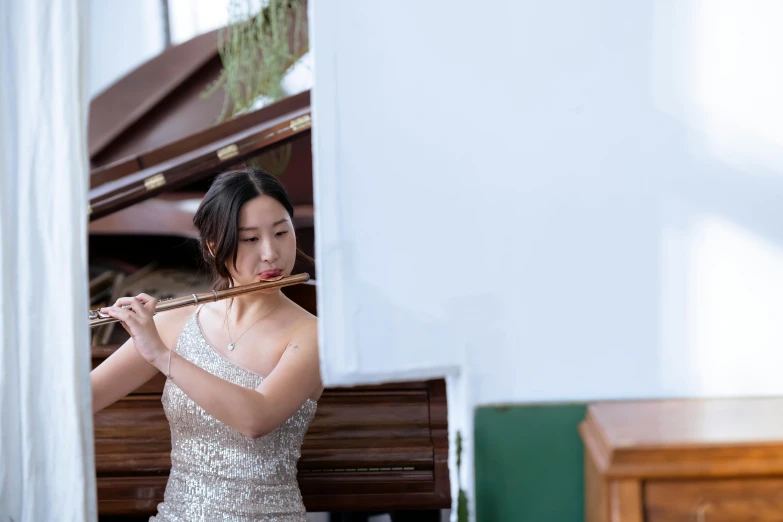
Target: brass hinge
pixel 300 123
pixel 228 152
pixel 156 181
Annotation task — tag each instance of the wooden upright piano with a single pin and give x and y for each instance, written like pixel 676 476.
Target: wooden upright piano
pixel 154 147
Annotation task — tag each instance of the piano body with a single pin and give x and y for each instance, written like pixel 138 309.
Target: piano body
pixel 154 147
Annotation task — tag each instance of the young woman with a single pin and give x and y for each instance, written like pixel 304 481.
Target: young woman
pixel 243 374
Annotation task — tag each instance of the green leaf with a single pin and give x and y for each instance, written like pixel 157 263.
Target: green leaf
pixel 462 506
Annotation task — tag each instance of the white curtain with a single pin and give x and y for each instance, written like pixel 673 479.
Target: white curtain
pixel 46 446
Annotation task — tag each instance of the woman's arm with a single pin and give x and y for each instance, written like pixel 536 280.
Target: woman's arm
pixel 121 373
pixel 125 370
pixel 254 413
pixel 257 412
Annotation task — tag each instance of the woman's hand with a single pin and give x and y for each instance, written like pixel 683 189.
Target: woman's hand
pixel 138 322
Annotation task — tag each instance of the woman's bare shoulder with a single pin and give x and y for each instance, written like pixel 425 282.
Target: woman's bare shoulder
pixel 303 332
pixel 307 325
pixel 171 323
pixel 301 322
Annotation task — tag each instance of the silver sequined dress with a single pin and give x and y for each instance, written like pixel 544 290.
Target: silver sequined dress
pixel 218 474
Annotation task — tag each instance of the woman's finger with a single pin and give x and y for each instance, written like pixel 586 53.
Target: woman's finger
pixel 137 306
pixel 124 301
pixel 148 301
pixel 123 314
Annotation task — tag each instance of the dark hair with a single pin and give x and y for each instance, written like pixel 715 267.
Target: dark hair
pixel 217 217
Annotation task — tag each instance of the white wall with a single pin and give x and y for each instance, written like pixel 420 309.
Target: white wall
pixel 554 201
pixel 586 197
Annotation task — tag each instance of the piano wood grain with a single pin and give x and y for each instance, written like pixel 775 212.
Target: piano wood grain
pixel 366 446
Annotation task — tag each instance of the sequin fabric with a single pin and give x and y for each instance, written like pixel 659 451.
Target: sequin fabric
pixel 218 474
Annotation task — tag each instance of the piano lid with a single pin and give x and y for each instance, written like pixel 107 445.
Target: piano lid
pixel 175 164
pixel 152 131
pixel 163 100
pixel 156 103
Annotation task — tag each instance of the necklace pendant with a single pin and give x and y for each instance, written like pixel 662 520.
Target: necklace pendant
pixel 230 347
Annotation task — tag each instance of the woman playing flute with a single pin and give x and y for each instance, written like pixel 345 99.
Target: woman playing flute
pixel 243 374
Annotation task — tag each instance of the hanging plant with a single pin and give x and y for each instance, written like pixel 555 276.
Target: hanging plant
pixel 262 41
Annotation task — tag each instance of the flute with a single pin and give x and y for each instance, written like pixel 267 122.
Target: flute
pixel 97 318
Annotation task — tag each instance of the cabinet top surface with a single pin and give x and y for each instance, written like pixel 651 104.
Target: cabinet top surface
pixel 688 422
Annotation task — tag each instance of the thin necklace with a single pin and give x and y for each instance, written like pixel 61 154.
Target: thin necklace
pixel 233 343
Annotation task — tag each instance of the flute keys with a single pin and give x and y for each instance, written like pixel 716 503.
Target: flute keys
pixel 97 314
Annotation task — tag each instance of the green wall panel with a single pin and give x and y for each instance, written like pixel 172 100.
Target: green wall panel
pixel 529 463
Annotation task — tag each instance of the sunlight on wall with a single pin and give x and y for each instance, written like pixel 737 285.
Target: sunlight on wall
pixel 735 332
pixel 722 297
pixel 717 69
pixel 736 80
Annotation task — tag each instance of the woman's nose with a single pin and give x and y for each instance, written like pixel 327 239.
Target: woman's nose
pixel 268 251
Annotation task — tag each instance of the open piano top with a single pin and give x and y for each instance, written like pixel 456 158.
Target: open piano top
pixel 154 148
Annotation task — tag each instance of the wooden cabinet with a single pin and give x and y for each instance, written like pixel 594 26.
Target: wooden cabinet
pixel 715 500
pixel 716 460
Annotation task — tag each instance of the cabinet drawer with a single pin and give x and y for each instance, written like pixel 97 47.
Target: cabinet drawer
pixel 734 500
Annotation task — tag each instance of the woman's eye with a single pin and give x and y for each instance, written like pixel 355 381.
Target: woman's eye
pixel 281 233
pixel 250 239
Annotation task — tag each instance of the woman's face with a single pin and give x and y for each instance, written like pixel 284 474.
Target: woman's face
pixel 267 245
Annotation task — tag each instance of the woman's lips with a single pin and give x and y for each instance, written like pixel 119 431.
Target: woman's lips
pixel 271 275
